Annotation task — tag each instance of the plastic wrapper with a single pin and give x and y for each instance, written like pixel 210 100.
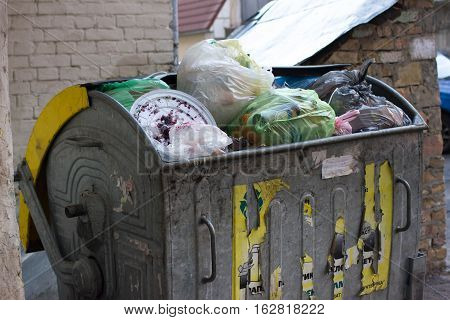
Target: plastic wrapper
pixel 192 140
pixel 294 82
pixel 330 81
pixel 375 112
pixel 223 77
pixel 342 124
pixel 127 92
pixel 283 116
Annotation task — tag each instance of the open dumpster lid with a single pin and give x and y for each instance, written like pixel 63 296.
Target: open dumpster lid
pixel 294 30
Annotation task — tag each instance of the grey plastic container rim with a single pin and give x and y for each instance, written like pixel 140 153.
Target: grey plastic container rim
pixel 379 87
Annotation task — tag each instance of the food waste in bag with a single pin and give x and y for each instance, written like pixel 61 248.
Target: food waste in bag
pixel 127 92
pixel 223 77
pixel 178 125
pixel 283 116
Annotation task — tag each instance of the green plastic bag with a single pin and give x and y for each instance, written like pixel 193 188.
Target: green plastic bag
pixel 127 92
pixel 283 116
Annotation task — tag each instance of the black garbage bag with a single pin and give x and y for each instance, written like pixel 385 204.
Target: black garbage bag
pixel 375 112
pixel 330 81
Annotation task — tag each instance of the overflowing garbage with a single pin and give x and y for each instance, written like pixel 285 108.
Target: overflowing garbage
pixel 226 102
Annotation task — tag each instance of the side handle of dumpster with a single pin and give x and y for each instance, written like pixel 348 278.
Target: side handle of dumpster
pixel 212 233
pixel 408 205
pixel 83 274
pixel 61 266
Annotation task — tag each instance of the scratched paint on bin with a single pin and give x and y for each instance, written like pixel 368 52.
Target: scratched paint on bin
pixel 246 263
pixel 127 190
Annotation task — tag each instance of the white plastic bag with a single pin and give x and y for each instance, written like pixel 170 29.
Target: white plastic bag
pixel 221 76
pixel 192 140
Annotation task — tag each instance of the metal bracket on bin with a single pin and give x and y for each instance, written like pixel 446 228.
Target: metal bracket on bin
pixel 62 267
pixel 416 276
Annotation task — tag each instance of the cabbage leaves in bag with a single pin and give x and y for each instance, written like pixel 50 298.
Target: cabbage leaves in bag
pixel 283 116
pixel 223 77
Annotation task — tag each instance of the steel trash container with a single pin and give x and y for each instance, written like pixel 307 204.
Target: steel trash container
pixel 334 218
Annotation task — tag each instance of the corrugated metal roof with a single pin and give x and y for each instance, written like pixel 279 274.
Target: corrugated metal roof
pixel 286 32
pixel 197 15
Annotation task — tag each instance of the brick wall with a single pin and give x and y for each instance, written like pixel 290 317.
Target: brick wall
pixel 56 43
pixel 402 40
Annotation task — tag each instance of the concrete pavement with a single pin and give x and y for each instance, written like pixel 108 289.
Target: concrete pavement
pixel 38 277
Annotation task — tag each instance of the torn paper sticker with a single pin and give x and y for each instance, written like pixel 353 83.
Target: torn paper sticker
pixel 339 166
pixel 276 284
pixel 246 262
pixel 307 276
pixel 352 257
pixel 308 211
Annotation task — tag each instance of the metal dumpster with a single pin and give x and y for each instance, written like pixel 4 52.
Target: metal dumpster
pixel 335 218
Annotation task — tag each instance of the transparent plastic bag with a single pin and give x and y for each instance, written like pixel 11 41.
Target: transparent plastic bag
pixel 223 77
pixel 283 116
pixel 193 140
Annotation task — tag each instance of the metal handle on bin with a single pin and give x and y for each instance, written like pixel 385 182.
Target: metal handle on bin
pixel 408 204
pixel 212 234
